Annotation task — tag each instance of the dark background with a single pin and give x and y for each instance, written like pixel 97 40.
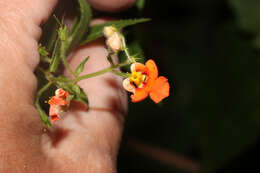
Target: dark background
pixel 209 51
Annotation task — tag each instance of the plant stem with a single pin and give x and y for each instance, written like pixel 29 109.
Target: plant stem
pixel 100 72
pixel 63 58
pixel 39 93
pixel 129 57
pixel 119 73
pixel 45 59
pixel 55 57
pixel 44 117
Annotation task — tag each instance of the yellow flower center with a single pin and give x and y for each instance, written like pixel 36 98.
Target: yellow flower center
pixel 137 78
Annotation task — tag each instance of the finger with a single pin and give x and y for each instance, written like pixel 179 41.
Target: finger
pixel 20 29
pixel 111 5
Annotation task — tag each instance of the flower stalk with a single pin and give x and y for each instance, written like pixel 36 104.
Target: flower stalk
pixel 100 72
pixel 63 58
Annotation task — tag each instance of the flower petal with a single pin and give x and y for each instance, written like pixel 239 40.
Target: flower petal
pixel 152 68
pixel 114 42
pixel 57 101
pixel 138 67
pixel 54 118
pixel 160 89
pixel 128 86
pixel 54 110
pixel 139 95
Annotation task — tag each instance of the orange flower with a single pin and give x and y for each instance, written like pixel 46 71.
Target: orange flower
pixel 58 104
pixel 144 81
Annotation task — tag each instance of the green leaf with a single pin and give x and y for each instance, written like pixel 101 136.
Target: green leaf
pixel 140 4
pixel 76 89
pixel 63 33
pixel 73 89
pixel 63 82
pixel 97 30
pixel 80 27
pixel 80 67
pixel 55 59
pixel 110 60
pixel 81 97
pixel 49 34
pixel 44 118
pixel 42 50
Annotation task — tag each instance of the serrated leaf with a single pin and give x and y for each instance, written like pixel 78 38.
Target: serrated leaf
pixel 96 31
pixel 70 97
pixel 76 89
pixel 80 27
pixel 81 66
pixel 63 32
pixel 55 58
pixel 110 60
pixel 42 50
pixel 82 97
pixel 49 34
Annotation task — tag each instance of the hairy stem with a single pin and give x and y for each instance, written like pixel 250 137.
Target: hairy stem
pixel 100 72
pixel 125 49
pixel 63 58
pixel 44 117
pixel 119 73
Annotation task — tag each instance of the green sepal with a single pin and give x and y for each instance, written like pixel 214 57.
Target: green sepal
pixel 44 54
pixel 81 66
pixel 96 31
pixel 43 51
pixel 73 89
pixel 63 33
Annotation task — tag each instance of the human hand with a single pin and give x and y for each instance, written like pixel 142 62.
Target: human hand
pixel 81 141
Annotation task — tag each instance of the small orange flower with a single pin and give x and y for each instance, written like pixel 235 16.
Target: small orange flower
pixel 144 81
pixel 58 104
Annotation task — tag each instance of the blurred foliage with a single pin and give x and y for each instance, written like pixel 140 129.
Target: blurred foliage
pixel 207 50
pixel 248 15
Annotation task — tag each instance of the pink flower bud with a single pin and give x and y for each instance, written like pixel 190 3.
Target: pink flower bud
pixel 114 42
pixel 58 104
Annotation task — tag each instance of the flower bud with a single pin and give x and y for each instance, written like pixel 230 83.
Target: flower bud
pixel 60 92
pixel 58 104
pixel 109 30
pixel 114 42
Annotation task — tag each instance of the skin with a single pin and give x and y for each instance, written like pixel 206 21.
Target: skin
pixel 80 141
